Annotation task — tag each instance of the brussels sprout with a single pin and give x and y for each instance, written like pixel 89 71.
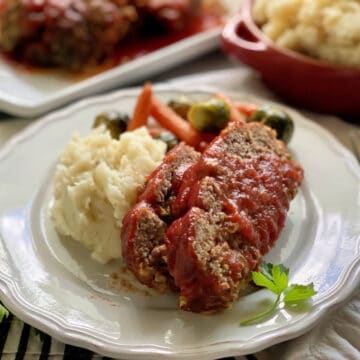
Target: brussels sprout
pixel 181 105
pixel 277 119
pixel 168 138
pixel 114 121
pixel 209 115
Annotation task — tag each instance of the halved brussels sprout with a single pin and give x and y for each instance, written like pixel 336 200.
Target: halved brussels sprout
pixel 277 119
pixel 181 105
pixel 114 121
pixel 209 115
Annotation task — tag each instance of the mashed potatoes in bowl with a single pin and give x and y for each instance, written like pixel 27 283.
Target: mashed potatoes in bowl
pixel 327 30
pixel 96 181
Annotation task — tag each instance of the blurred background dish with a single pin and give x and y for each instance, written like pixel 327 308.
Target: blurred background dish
pixel 76 35
pixel 326 30
pixel 301 79
pixel 28 90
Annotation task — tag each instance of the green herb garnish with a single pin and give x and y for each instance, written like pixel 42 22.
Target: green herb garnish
pixel 4 312
pixel 276 279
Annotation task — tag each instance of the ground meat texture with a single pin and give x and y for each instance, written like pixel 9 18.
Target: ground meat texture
pixel 163 184
pixel 207 269
pixel 232 205
pixel 143 247
pixel 144 226
pixel 67 33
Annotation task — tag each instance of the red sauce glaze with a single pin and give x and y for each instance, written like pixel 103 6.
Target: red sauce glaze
pixel 158 176
pixel 128 232
pixel 252 195
pixel 254 192
pixel 144 225
pixel 200 290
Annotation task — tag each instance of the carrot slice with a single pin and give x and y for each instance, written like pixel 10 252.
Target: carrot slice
pixel 142 108
pixel 170 120
pixel 246 108
pixel 235 115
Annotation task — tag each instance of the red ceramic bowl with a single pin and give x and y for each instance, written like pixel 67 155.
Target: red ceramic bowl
pixel 304 81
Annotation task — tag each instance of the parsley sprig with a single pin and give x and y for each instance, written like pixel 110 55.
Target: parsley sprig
pixel 276 279
pixel 4 312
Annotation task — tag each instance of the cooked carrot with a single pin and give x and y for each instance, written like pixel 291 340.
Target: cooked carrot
pixel 142 108
pixel 235 115
pixel 246 108
pixel 170 120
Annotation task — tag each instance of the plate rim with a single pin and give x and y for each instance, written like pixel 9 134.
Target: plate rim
pixel 30 315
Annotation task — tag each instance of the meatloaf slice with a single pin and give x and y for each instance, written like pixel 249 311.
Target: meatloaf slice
pixel 207 267
pixel 163 184
pixel 235 199
pixel 144 226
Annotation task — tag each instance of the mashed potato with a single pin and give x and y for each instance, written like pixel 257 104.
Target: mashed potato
pixel 96 182
pixel 325 29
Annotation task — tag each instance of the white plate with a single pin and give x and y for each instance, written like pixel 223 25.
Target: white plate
pixel 25 93
pixel 52 284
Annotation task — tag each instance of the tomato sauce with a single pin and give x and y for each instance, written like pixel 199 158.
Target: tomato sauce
pixel 235 199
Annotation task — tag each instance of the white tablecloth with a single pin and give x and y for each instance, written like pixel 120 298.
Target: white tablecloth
pixel 337 336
